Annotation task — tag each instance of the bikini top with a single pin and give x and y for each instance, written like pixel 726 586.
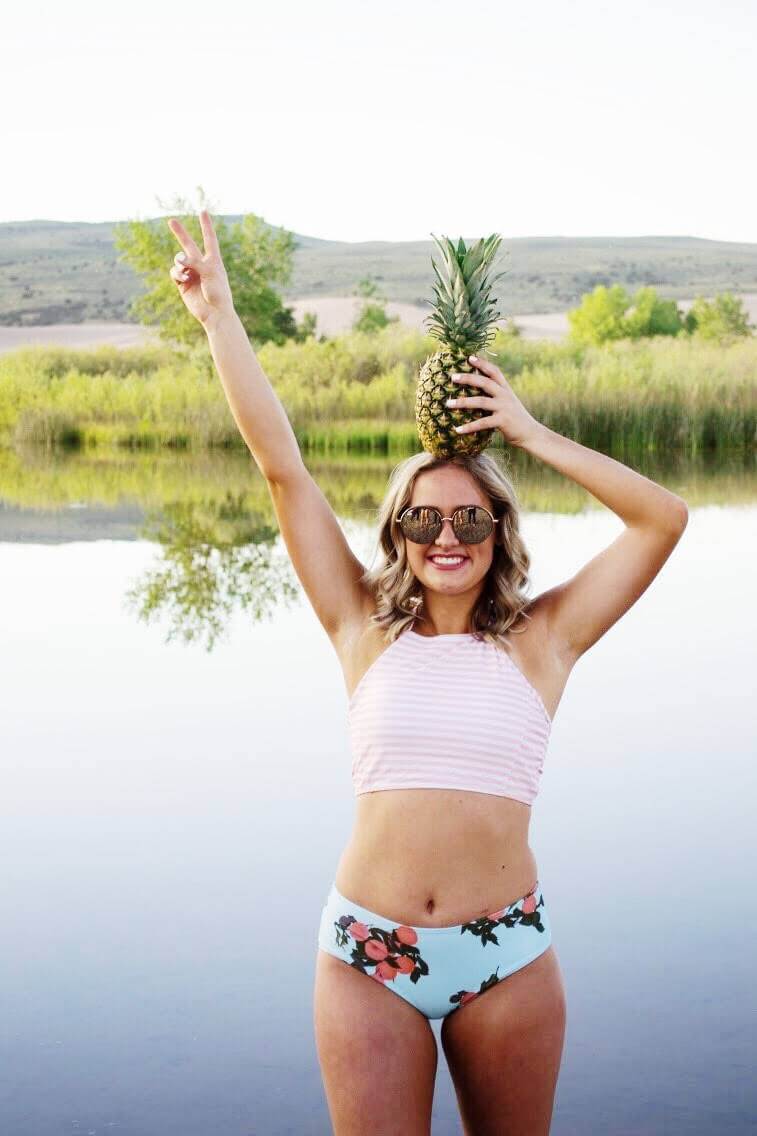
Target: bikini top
pixel 447 712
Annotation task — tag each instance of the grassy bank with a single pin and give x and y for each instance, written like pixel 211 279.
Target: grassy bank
pixel 356 394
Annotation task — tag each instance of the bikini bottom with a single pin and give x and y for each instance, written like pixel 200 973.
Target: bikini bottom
pixel 436 969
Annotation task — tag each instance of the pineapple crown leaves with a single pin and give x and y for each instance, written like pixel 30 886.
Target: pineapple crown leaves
pixel 465 311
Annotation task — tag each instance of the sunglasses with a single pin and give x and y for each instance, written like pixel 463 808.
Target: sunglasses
pixel 422 523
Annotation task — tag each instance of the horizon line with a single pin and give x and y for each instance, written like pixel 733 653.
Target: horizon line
pixel 411 240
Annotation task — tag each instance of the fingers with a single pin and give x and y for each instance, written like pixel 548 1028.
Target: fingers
pixel 477 424
pixel 180 274
pixel 476 380
pixel 477 403
pixel 209 234
pixel 485 367
pixel 185 240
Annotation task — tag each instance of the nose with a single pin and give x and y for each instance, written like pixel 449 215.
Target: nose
pixel 446 537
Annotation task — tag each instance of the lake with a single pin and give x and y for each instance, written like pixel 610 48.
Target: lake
pixel 176 794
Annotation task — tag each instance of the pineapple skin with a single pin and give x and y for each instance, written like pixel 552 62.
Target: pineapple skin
pixel 435 422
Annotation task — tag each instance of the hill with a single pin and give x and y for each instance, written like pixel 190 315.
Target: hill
pixel 67 272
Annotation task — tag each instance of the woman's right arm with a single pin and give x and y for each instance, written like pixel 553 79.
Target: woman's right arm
pixel 326 566
pixel 204 287
pixel 257 410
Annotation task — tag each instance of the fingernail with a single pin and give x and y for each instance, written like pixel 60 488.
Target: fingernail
pixel 473 358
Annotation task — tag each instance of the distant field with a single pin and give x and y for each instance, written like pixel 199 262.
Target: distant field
pixel 55 272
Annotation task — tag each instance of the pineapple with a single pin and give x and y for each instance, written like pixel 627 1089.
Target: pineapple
pixel 462 321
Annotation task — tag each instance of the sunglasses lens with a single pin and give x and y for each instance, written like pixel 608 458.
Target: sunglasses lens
pixel 471 524
pixel 421 525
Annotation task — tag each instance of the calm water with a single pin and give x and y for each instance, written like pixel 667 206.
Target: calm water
pixel 172 817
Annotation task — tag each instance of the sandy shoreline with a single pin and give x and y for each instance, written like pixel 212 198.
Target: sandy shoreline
pixel 334 315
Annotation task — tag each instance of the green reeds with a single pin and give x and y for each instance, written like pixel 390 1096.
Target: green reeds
pixel 355 394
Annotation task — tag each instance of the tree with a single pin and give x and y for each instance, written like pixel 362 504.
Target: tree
pixel 651 315
pixel 308 326
pixel 604 315
pixel 722 319
pixel 255 257
pixel 599 316
pixel 372 315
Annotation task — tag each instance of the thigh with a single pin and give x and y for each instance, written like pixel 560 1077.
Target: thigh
pixel 504 1050
pixel 377 1053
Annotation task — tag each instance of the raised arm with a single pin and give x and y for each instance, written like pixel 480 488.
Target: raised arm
pixel 578 612
pixel 325 564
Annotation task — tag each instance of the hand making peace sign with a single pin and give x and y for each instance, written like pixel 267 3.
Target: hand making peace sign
pixel 201 277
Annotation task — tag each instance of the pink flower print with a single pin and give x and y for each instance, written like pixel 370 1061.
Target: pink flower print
pixel 406 936
pixel 376 950
pixel 529 905
pixel 497 914
pixel 386 971
pixel 377 977
pixel 405 965
pixel 359 931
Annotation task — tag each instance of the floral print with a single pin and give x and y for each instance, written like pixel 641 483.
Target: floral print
pixel 464 996
pixel 391 952
pixel 448 960
pixel 527 915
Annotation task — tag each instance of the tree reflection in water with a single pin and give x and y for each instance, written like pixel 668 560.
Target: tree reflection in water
pixel 217 557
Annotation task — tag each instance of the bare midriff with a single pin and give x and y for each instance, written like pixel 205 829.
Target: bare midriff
pixel 436 857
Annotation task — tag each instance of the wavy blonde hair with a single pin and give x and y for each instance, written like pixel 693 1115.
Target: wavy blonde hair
pixel 396 590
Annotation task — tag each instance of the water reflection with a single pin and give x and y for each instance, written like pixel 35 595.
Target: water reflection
pixel 212 519
pixel 171 817
pixel 218 557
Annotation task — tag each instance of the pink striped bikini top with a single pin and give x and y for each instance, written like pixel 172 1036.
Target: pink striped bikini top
pixel 447 712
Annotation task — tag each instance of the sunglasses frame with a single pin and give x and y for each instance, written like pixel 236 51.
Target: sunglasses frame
pixel 443 519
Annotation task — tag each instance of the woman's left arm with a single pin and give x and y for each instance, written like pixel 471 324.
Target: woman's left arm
pixel 579 611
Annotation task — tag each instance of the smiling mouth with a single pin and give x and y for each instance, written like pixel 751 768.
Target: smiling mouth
pixel 447 561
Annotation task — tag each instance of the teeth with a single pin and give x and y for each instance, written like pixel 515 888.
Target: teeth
pixel 446 559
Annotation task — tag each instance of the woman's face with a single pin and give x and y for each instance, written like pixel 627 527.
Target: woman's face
pixel 446 489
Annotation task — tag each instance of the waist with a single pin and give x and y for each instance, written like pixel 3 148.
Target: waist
pixel 433 856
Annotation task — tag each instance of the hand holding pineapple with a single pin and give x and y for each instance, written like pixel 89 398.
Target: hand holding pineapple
pixel 201 276
pixel 462 320
pixel 506 412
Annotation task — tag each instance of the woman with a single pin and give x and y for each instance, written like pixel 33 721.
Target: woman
pixel 454 678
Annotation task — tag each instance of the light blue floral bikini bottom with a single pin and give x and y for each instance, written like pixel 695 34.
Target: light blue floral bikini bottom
pixel 436 969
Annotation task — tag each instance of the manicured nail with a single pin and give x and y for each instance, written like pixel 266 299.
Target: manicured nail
pixel 473 358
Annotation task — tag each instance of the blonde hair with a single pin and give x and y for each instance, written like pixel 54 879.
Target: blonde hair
pixel 398 594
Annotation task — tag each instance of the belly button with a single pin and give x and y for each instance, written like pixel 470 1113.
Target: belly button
pixel 430 906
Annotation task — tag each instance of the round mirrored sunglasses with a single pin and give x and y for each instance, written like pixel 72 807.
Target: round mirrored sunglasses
pixel 422 523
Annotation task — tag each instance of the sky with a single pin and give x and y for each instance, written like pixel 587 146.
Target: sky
pixel 353 121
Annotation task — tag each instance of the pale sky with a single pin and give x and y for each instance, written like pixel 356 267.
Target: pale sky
pixel 351 120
